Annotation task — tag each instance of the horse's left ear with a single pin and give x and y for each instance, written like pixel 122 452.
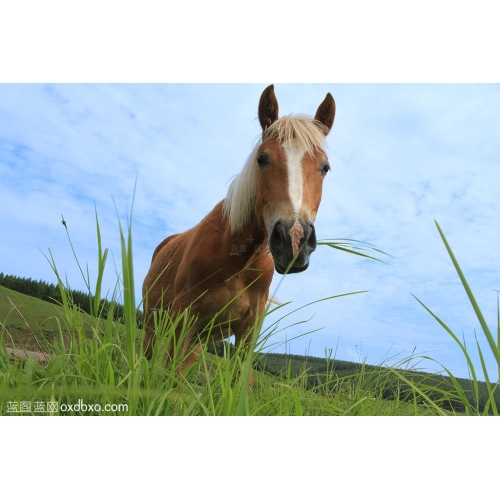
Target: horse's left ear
pixel 268 107
pixel 326 113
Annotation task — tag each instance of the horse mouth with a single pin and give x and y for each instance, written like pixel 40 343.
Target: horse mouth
pixel 289 269
pixel 286 263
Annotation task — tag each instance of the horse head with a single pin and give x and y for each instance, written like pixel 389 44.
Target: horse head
pixel 292 165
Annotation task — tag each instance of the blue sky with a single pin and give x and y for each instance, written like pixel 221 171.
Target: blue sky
pixel 402 155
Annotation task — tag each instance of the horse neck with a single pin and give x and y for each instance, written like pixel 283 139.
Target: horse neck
pixel 238 249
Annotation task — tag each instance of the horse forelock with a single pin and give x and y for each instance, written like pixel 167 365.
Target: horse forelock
pixel 306 133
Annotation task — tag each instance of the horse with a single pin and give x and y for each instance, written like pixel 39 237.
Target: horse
pixel 224 265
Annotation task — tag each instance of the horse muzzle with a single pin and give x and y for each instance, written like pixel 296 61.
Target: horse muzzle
pixel 291 243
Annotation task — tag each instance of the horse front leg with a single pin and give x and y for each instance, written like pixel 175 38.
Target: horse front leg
pixel 249 330
pixel 183 348
pixel 149 339
pixel 180 350
pixel 244 343
pixel 246 337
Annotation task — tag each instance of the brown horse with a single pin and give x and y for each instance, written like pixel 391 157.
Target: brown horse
pixel 224 265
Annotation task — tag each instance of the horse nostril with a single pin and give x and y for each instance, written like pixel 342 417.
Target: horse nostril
pixel 277 234
pixel 311 237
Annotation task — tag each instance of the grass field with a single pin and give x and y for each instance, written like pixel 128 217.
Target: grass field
pixel 19 311
pixel 89 369
pixel 96 366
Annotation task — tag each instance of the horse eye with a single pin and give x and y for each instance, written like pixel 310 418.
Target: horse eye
pixel 325 168
pixel 262 159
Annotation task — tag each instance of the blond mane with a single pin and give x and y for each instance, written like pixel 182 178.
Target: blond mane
pixel 239 203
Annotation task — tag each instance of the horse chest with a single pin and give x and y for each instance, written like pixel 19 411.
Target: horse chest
pixel 233 302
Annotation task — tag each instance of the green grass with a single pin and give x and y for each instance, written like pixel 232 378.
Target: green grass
pixel 33 324
pixel 97 367
pixel 22 309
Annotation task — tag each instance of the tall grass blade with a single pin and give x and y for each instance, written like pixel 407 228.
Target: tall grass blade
pixel 498 332
pixel 101 264
pixel 491 399
pixel 353 247
pixel 470 364
pixel 489 337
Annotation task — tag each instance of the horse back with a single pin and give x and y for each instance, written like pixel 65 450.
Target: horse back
pixel 162 245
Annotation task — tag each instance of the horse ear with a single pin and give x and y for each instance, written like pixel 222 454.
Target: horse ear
pixel 326 113
pixel 268 108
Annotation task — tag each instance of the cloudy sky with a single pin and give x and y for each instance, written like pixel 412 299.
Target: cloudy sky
pixel 402 156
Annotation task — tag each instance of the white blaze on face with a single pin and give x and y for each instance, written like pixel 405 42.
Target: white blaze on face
pixel 294 153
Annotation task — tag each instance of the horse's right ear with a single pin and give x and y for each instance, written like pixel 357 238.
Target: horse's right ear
pixel 268 108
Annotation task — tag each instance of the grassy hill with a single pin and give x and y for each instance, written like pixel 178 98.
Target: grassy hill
pixel 28 322
pixel 17 309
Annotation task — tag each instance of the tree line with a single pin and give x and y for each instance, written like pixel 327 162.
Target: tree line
pixel 50 292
